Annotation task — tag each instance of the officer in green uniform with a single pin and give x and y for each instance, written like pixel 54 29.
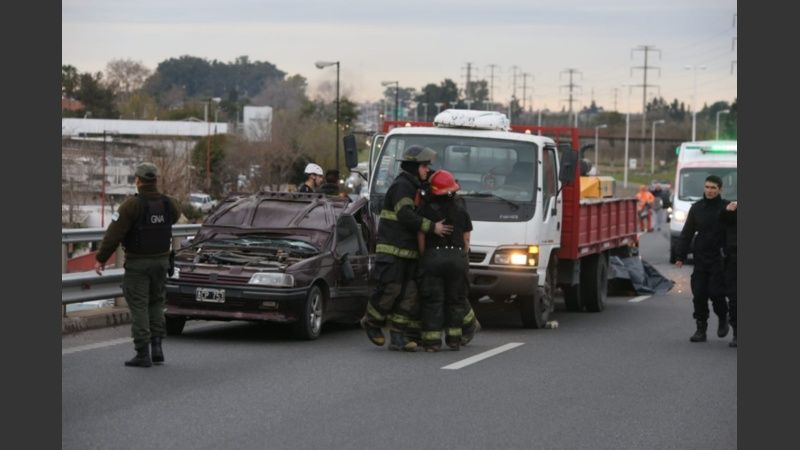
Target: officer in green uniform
pixel 143 224
pixel 395 298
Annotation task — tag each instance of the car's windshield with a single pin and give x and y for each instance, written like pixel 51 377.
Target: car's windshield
pixel 693 179
pixel 486 168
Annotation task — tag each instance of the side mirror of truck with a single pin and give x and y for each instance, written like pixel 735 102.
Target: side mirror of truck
pixel 569 159
pixel 350 151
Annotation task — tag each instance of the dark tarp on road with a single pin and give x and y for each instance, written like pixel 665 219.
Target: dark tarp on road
pixel 634 275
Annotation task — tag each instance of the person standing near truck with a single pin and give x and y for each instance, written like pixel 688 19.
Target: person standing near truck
pixel 728 218
pixel 703 228
pixel 443 264
pixel 143 224
pixel 395 299
pixel 314 178
pixel 644 208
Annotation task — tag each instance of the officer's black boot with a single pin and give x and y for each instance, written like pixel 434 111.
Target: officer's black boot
pixel 723 328
pixel 155 348
pixel 733 342
pixel 142 358
pixel 398 342
pixel 700 334
pixel 374 332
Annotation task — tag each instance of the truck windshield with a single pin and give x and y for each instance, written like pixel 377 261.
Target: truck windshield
pixel 485 168
pixel 692 180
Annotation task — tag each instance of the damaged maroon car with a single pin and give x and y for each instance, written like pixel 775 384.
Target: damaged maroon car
pixel 282 257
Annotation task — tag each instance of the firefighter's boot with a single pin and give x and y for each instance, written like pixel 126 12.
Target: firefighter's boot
pixel 142 358
pixel 399 342
pixel 733 342
pixel 155 349
pixel 469 330
pixel 700 334
pixel 374 332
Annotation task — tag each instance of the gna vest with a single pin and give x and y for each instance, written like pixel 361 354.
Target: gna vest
pixel 152 232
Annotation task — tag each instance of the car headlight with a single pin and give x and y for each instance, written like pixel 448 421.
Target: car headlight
pixel 680 216
pixel 517 256
pixel 176 273
pixel 272 279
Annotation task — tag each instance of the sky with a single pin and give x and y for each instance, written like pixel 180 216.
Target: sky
pixel 418 42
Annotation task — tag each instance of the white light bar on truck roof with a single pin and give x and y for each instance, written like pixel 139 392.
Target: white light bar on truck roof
pixel 480 120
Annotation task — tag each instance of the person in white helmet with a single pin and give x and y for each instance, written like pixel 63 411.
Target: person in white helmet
pixel 314 178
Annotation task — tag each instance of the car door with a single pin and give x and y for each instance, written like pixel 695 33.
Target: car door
pixel 352 266
pixel 551 203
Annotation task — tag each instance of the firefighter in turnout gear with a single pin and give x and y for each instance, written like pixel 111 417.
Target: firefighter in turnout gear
pixel 395 300
pixel 443 265
pixel 143 224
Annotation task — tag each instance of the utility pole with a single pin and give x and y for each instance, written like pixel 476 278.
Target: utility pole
pixel 646 49
pixel 491 83
pixel 467 93
pixel 616 91
pixel 525 76
pixel 514 81
pixel 571 86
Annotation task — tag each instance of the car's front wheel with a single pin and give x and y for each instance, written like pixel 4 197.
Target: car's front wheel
pixel 309 324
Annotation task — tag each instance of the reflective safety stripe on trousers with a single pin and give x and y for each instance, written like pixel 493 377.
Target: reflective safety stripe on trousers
pixel 390 249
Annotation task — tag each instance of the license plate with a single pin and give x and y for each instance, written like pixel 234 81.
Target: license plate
pixel 210 295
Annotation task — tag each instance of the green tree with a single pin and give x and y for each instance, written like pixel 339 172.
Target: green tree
pixel 69 80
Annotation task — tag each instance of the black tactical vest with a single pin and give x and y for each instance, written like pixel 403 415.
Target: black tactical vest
pixel 152 232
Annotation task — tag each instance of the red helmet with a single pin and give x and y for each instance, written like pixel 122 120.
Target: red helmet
pixel 443 183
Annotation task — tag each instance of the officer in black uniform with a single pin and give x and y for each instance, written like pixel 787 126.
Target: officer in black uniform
pixel 143 224
pixel 395 298
pixel 728 218
pixel 704 226
pixel 443 264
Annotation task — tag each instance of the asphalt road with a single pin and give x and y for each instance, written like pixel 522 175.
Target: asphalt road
pixel 627 377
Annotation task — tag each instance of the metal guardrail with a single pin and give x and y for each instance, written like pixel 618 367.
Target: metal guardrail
pixel 80 287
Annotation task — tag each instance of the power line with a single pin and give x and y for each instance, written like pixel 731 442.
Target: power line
pixel 571 85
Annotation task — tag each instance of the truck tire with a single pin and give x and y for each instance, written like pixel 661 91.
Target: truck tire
pixel 594 282
pixel 533 311
pixel 174 325
pixel 572 297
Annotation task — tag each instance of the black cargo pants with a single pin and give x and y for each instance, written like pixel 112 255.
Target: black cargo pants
pixel 144 287
pixel 442 293
pixel 708 282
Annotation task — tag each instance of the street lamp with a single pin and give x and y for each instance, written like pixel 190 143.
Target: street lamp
pixel 322 65
pixel 208 144
pixel 724 111
pixel 653 147
pixel 694 99
pixel 597 146
pixel 396 96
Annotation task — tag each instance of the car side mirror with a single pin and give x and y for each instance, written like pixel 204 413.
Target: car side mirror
pixel 350 151
pixel 568 166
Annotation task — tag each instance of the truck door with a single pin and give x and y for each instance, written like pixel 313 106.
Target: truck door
pixel 551 208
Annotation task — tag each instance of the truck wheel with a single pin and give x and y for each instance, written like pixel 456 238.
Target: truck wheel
pixel 174 325
pixel 594 282
pixel 533 311
pixel 309 324
pixel 572 297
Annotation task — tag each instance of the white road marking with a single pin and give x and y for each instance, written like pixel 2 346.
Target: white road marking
pixel 640 298
pixel 81 348
pixel 482 356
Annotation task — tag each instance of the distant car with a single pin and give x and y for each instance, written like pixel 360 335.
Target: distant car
pixel 275 257
pixel 201 201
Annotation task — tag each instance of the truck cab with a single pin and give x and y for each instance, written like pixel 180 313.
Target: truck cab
pixel 696 161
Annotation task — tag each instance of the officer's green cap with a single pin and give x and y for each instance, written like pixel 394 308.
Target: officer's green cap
pixel 147 172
